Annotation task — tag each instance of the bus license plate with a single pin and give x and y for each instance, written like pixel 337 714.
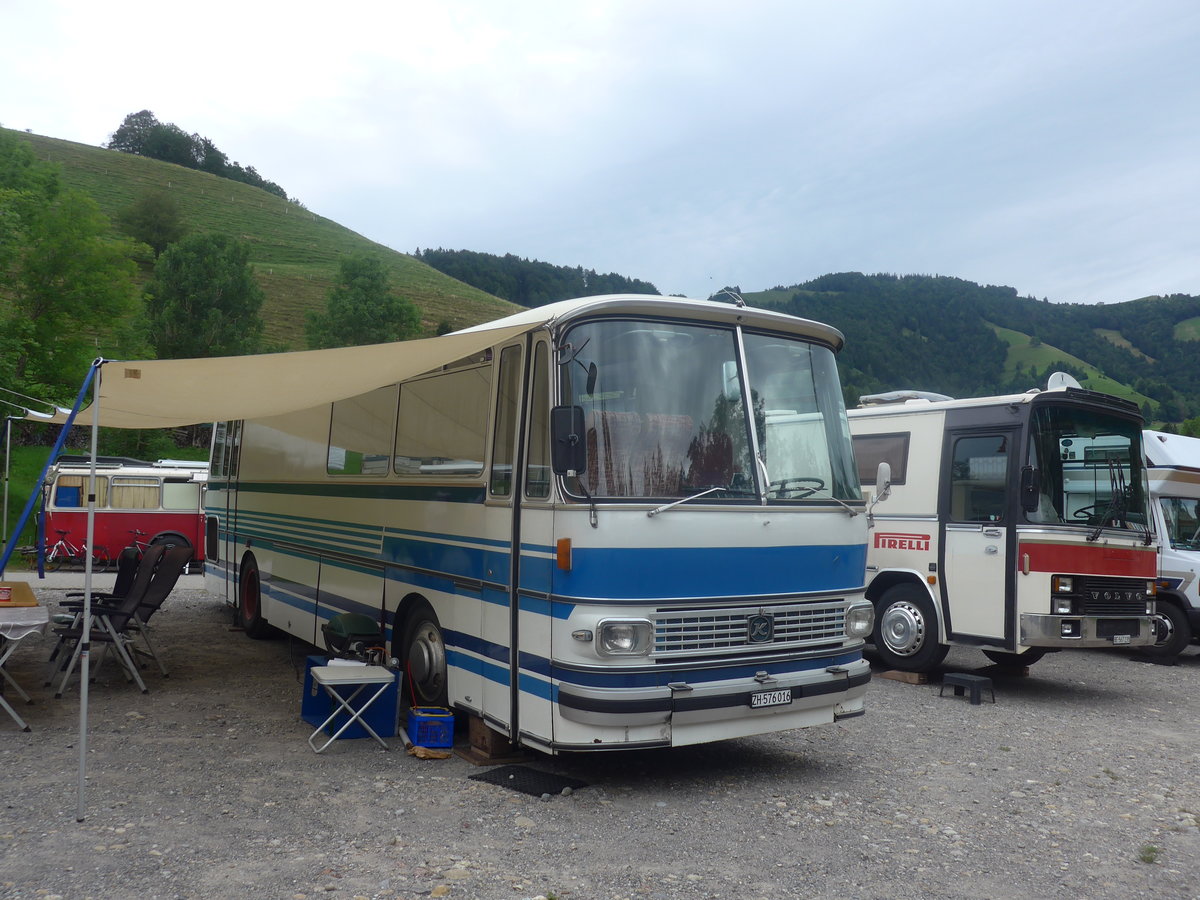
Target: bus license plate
pixel 1121 638
pixel 770 698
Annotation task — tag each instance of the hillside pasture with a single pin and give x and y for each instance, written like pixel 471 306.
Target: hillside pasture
pixel 294 251
pixel 1021 355
pixel 1188 329
pixel 1117 339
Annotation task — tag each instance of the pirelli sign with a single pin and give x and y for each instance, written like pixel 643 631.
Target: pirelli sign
pixel 895 540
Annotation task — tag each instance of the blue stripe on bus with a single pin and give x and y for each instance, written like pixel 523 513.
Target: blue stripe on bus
pixel 670 572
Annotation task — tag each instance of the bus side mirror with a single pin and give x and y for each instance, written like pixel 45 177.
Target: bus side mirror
pixel 883 482
pixel 568 451
pixel 1030 489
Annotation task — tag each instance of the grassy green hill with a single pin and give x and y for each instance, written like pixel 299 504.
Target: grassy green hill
pixel 295 252
pixel 1022 355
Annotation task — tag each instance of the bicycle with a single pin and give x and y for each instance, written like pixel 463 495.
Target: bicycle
pixel 64 552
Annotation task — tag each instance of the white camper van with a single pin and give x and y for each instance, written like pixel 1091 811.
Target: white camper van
pixel 1173 466
pixel 1015 524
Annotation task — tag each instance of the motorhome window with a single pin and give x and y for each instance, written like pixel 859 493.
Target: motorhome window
pixel 70 491
pixel 508 397
pixel 1182 515
pixel 537 471
pixel 360 433
pixel 442 426
pixel 872 449
pixel 800 419
pixel 979 479
pixel 135 492
pixel 181 494
pixel 663 410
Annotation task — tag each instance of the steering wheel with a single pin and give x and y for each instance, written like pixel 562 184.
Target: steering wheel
pixel 788 488
pixel 1086 512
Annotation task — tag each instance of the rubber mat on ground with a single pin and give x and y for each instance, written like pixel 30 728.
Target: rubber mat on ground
pixel 527 780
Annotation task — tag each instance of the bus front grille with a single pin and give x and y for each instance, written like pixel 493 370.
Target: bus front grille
pixel 1114 596
pixel 728 630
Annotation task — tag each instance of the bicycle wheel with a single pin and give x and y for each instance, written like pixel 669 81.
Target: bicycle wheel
pixel 100 561
pixel 55 558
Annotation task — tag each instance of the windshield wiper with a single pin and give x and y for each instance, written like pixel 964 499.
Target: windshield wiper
pixel 661 509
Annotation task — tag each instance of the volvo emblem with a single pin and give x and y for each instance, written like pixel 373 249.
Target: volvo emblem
pixel 760 629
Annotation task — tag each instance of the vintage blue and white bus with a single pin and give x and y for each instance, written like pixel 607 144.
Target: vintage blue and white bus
pixel 636 524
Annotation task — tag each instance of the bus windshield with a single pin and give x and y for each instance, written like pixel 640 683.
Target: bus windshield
pixel 666 415
pixel 1090 469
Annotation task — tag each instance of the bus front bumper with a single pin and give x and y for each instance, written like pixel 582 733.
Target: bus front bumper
pixel 735 707
pixel 1086 631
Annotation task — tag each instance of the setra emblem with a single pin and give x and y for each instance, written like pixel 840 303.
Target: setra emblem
pixel 760 629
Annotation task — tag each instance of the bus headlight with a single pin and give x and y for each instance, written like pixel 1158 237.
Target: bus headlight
pixel 860 619
pixel 624 637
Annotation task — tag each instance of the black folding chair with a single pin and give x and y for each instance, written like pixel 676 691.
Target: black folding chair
pixel 166 576
pixel 110 617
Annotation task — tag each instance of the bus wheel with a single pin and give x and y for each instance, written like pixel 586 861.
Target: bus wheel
pixel 1015 660
pixel 422 652
pixel 1172 631
pixel 906 630
pixel 250 616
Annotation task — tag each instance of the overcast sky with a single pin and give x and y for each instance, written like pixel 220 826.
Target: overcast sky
pixel 1053 147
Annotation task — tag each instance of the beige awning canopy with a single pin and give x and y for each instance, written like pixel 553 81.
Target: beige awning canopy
pixel 167 393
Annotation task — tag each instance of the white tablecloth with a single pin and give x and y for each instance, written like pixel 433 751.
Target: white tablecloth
pixel 18 621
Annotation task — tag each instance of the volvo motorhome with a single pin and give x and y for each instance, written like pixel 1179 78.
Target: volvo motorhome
pixel 1016 524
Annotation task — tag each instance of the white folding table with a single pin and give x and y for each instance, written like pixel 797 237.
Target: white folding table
pixel 360 678
pixel 16 623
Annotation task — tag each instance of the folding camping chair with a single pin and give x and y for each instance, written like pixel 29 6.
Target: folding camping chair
pixel 110 618
pixel 166 576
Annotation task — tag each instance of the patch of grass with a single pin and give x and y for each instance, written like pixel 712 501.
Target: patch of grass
pixel 1188 329
pixel 1115 337
pixel 25 466
pixel 1149 854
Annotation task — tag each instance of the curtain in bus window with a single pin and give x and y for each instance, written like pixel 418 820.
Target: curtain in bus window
pixel 134 492
pixel 70 491
pixel 442 426
pixel 537 471
pixel 360 433
pixel 181 495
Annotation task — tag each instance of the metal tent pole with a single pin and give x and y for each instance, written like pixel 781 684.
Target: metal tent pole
pixel 86 634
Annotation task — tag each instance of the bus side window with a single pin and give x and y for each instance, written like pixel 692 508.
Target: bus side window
pixel 537 470
pixel 508 394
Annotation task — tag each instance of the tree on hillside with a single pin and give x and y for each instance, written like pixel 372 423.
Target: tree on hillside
pixel 204 300
pixel 361 309
pixel 66 280
pixel 133 133
pixel 154 218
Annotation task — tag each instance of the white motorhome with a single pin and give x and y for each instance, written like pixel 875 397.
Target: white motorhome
pixel 1173 466
pixel 1015 524
pixel 635 523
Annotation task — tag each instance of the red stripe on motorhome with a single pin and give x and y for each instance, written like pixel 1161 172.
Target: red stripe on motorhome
pixel 1072 559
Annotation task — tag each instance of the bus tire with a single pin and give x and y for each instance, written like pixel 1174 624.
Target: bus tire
pixel 906 630
pixel 1172 629
pixel 249 609
pixel 1015 660
pixel 422 653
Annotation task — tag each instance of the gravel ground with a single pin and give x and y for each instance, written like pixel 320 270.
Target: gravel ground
pixel 1083 780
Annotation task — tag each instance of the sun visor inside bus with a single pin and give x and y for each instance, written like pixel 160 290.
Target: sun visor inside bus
pixel 167 393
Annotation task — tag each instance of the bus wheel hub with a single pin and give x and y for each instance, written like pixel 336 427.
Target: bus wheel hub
pixel 903 629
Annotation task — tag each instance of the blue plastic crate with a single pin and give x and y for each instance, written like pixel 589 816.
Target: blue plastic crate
pixel 431 726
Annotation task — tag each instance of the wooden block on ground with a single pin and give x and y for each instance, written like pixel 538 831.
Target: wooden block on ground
pixel 906 677
pixel 487 746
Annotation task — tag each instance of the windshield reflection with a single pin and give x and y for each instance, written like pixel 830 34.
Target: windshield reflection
pixel 665 415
